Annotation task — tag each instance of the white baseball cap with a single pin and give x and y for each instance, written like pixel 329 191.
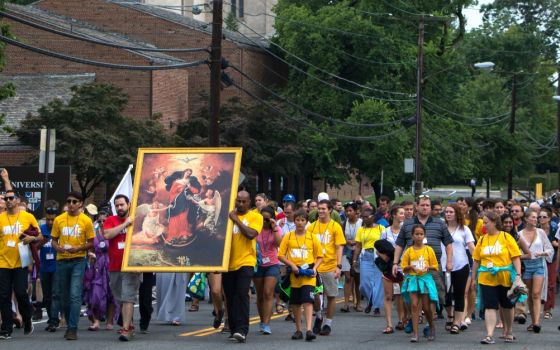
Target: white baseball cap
pixel 322 195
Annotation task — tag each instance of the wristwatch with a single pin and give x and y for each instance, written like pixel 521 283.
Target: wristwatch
pixel 339 266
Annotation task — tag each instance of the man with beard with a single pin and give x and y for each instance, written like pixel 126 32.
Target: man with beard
pixel 14 224
pixel 72 236
pixel 124 285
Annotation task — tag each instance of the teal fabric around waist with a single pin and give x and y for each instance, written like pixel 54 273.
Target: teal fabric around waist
pixel 493 271
pixel 420 284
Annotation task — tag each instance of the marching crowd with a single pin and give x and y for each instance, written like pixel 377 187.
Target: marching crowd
pixel 471 258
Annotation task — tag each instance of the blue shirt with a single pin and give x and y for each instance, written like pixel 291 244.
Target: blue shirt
pixel 48 253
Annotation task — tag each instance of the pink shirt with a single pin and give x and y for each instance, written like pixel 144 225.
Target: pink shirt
pixel 267 247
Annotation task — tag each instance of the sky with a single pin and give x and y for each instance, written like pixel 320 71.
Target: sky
pixel 474 17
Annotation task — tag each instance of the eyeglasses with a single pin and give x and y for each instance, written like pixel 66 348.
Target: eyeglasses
pixel 51 210
pixel 9 198
pixel 366 216
pixel 72 201
pixel 516 210
pixel 543 217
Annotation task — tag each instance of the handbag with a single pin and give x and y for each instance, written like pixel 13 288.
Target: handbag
pixel 197 286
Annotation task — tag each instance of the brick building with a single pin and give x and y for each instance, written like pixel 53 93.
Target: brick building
pixel 175 94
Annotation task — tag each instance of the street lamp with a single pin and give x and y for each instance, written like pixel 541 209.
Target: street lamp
pixel 490 66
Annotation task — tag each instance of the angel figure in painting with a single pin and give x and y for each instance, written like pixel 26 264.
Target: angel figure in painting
pixel 152 229
pixel 211 206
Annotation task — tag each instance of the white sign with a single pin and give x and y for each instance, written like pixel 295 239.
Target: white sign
pixel 408 165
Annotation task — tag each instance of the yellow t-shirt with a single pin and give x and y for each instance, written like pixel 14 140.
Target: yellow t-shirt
pixel 243 250
pixel 301 250
pixel 497 251
pixel 421 258
pixel 369 235
pixel 330 235
pixel 478 229
pixel 72 232
pixel 12 227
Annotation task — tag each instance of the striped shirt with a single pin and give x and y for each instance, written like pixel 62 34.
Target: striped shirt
pixel 436 234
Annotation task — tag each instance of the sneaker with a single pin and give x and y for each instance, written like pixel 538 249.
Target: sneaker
pixel 309 336
pixel 317 325
pixel 28 328
pixel 376 312
pixel 468 321
pixel 239 337
pixel 71 335
pixel 326 330
pixel 426 331
pixel 266 329
pixel 5 336
pixel 144 331
pixel 408 327
pixel 261 327
pixel 50 328
pixel 231 338
pixel 297 335
pixel 463 326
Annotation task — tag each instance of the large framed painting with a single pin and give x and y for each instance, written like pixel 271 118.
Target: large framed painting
pixel 180 206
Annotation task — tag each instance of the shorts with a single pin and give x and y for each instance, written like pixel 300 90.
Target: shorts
pixel 345 264
pixel 533 268
pixel 493 297
pixel 440 286
pixel 330 284
pixel 302 295
pixel 268 271
pixel 124 286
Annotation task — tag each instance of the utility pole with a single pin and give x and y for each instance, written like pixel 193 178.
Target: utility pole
pixel 558 124
pixel 215 73
pixel 418 184
pixel 512 131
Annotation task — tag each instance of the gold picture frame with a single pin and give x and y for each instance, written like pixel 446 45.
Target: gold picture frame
pixel 181 201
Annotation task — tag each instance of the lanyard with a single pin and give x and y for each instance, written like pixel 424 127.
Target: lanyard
pixel 13 227
pixel 71 234
pixel 491 251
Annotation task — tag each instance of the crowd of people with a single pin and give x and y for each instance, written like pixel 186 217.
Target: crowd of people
pixel 469 258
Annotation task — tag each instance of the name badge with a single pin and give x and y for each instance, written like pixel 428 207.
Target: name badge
pixel 50 256
pixel 67 246
pixel 490 265
pixel 11 244
pixel 102 245
pixel 425 241
pixel 266 260
pixel 121 245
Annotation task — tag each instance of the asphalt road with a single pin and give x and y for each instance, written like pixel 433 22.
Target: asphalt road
pixel 350 331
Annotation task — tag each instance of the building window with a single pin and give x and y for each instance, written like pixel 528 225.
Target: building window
pixel 241 8
pixel 237 8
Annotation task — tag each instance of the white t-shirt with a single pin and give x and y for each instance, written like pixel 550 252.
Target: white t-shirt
pixel 351 229
pixel 461 237
pixel 289 226
pixel 390 236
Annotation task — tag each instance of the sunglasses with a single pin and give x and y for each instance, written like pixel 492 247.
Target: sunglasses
pixel 9 198
pixel 51 210
pixel 423 196
pixel 72 201
pixel 543 217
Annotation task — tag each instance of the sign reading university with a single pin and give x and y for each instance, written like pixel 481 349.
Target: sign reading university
pixel 28 183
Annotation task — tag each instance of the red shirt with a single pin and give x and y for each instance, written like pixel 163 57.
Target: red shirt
pixel 116 244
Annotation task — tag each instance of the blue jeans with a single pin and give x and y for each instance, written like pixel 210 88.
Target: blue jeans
pixel 67 293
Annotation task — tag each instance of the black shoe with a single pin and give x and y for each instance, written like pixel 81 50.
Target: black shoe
pixel 367 310
pixel 317 325
pixel 521 319
pixel 309 336
pixel 326 330
pixel 5 336
pixel 298 335
pixel 27 327
pixel 289 318
pixel 50 328
pixel 218 320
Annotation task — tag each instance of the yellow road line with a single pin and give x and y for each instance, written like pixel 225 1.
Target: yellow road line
pixel 253 320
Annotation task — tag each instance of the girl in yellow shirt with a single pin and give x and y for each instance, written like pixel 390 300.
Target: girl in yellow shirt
pixel 419 287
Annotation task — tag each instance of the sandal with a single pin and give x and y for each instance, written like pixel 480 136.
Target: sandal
pixel 509 339
pixel 454 329
pixel 414 339
pixel 547 315
pixel 280 308
pixel 93 328
pixel 432 335
pixel 488 340
pixel 400 326
pixel 530 328
pixel 448 325
pixel 358 308
pixel 537 328
pixel 388 330
pixel 345 308
pixel 503 336
pixel 193 308
pixel 500 325
pixel 522 318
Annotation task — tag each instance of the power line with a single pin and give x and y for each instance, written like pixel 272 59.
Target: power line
pixel 445 110
pixel 411 96
pixel 311 113
pixel 95 41
pixel 307 125
pixel 98 63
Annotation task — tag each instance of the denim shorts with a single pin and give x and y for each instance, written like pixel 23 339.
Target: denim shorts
pixel 267 271
pixel 533 268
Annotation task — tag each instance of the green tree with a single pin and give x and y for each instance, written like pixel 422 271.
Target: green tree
pixel 92 134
